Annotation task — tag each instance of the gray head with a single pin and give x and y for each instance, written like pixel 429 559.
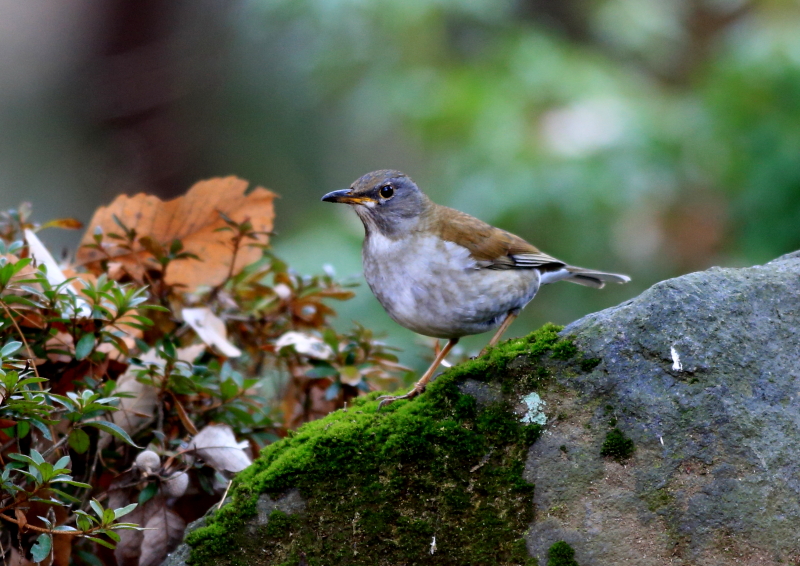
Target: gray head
pixel 387 201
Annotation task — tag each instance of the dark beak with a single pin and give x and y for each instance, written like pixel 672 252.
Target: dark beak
pixel 344 196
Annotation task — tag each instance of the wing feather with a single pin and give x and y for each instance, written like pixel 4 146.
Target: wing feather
pixel 490 247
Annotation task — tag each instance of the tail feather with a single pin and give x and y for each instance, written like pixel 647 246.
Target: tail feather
pixel 592 278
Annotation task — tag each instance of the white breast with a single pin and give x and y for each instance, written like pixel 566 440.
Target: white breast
pixel 436 288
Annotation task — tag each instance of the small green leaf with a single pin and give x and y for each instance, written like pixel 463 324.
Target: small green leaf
pixel 322 369
pixel 65 529
pixel 10 348
pixel 65 496
pixel 121 512
pixel 332 391
pixel 79 441
pixel 84 346
pixel 112 429
pixel 147 493
pixel 41 550
pixel 102 542
pixel 96 507
pixel 84 523
pixel 228 389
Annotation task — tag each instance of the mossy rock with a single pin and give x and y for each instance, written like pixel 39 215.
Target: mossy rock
pixel 435 480
pixel 699 374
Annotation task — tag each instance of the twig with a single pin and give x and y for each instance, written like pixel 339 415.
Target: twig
pixel 224 495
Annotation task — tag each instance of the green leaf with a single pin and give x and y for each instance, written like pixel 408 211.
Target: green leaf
pixel 83 521
pixel 84 346
pixel 41 427
pixel 62 463
pixel 10 348
pixel 147 493
pixel 332 391
pixel 76 484
pixel 65 496
pixel 23 428
pixel 121 512
pixel 65 529
pixel 79 441
pixel 228 389
pixel 96 507
pixel 322 369
pixel 112 429
pixel 41 550
pixel 102 542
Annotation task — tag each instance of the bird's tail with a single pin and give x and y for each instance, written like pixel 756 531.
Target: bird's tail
pixel 592 278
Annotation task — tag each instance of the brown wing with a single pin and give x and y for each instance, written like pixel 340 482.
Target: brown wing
pixel 491 247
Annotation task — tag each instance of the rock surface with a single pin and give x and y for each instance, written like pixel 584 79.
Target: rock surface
pixel 702 373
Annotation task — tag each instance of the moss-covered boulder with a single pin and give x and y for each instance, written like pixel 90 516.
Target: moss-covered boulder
pixel 662 431
pixel 437 480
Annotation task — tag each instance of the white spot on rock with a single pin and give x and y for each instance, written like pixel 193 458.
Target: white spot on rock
pixel 535 413
pixel 676 360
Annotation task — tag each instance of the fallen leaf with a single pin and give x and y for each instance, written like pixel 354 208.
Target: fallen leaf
pixel 55 276
pixel 129 547
pixel 195 220
pixel 216 445
pixel 211 330
pixel 164 533
pixel 306 344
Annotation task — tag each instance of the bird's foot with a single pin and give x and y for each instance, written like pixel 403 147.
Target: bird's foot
pixel 389 399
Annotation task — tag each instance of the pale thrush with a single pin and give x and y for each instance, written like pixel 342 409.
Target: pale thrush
pixel 443 273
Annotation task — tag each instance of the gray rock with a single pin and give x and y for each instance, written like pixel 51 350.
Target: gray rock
pixel 290 502
pixel 702 372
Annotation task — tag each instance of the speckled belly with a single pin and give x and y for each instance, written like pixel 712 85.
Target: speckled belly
pixel 437 289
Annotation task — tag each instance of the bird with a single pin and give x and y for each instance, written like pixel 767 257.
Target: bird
pixel 443 273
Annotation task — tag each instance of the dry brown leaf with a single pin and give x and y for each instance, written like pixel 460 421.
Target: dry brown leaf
pixel 164 533
pixel 129 547
pixel 193 219
pixel 18 559
pixel 184 416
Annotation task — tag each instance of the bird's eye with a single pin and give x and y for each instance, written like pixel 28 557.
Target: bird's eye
pixel 387 191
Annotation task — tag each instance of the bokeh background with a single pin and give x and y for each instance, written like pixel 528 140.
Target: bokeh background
pixel 649 137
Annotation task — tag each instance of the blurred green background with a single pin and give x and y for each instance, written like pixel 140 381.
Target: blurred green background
pixel 647 137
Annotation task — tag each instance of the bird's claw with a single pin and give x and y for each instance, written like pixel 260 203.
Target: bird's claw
pixel 389 399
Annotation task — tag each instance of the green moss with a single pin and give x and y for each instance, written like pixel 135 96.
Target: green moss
pixel 658 499
pixel 278 524
pixel 561 554
pixel 379 485
pixel 564 350
pixel 617 446
pixel 520 554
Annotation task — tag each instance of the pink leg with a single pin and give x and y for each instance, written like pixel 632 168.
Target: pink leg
pixel 419 387
pixel 500 331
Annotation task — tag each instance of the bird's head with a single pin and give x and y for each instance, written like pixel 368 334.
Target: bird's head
pixel 387 201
